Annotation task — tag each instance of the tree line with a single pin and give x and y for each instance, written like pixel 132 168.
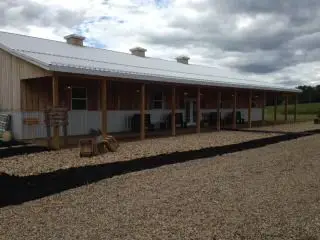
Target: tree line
pixel 309 94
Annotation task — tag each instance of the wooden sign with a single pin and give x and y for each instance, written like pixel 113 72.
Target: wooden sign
pixel 57 116
pixel 31 121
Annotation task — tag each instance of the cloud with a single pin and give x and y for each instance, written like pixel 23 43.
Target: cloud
pixel 266 40
pixel 23 13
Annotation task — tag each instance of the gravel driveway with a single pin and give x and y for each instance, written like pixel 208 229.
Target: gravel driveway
pixel 49 161
pixel 266 193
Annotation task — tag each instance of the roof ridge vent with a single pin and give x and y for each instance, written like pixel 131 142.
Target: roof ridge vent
pixel 138 51
pixel 183 59
pixel 75 39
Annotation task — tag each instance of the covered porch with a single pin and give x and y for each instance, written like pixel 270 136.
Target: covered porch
pixel 138 109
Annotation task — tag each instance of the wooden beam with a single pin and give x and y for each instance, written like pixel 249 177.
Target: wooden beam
pixel 275 108
pixel 104 98
pixel 55 103
pixel 286 108
pixel 295 108
pixel 264 107
pixel 198 110
pixel 219 111
pixel 173 111
pixel 142 111
pixel 234 111
pixel 250 109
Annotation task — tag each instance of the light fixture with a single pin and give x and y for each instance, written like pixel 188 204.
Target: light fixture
pixel 138 91
pixel 185 93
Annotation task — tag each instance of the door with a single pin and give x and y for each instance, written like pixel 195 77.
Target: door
pixel 190 111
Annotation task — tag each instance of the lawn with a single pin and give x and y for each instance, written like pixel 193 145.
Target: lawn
pixel 305 112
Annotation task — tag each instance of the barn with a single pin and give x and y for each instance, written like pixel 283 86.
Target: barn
pixel 122 92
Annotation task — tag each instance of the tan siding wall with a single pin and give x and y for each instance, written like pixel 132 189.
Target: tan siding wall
pixel 12 70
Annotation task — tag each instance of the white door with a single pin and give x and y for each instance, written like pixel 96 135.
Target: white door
pixel 190 111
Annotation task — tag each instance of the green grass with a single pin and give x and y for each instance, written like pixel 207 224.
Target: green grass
pixel 305 112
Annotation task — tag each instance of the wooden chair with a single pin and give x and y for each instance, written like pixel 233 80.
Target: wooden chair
pixel 135 123
pixel 179 120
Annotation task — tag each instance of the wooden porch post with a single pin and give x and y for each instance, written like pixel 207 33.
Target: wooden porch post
pixel 104 106
pixel 286 108
pixel 249 109
pixel 173 111
pixel 234 113
pixel 219 111
pixel 142 111
pixel 55 103
pixel 295 108
pixel 198 111
pixel 264 107
pixel 275 109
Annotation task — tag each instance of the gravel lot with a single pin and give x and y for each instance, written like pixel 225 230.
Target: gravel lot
pixel 267 193
pixel 49 161
pixel 293 127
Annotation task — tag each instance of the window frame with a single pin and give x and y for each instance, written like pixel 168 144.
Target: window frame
pixel 86 99
pixel 162 101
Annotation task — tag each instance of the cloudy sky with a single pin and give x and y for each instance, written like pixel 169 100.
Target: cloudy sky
pixel 272 40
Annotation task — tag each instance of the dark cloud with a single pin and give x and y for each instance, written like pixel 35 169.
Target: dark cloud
pixel 270 35
pixel 21 13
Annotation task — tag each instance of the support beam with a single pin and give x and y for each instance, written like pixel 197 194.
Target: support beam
pixel 55 144
pixel 142 111
pixel 234 111
pixel 286 108
pixel 173 111
pixel 104 106
pixel 249 109
pixel 295 108
pixel 264 103
pixel 198 110
pixel 275 108
pixel 219 111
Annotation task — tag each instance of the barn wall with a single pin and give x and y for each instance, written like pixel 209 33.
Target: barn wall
pixel 12 71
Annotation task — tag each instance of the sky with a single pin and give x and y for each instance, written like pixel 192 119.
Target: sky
pixel 270 40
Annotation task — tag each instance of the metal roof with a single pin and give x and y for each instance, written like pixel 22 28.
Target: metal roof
pixel 63 57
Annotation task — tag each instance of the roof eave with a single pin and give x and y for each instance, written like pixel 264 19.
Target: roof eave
pixel 25 57
pixel 137 76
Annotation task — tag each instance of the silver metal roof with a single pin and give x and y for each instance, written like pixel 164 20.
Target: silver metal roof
pixel 63 57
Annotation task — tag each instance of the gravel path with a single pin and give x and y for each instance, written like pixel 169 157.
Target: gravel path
pixel 50 161
pixel 267 193
pixel 293 127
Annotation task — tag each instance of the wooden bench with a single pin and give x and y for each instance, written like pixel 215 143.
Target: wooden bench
pixel 5 127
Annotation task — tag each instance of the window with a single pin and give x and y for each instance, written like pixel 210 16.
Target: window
pixel 157 100
pixel 253 103
pixel 79 98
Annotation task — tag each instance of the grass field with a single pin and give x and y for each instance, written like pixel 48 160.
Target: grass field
pixel 305 112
